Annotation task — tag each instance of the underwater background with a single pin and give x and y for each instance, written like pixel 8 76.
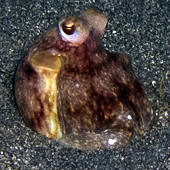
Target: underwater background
pixel 138 28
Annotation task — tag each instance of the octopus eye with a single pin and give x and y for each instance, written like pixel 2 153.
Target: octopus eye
pixel 68 27
pixel 73 30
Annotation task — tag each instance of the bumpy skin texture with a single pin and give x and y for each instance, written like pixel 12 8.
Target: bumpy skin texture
pixel 70 88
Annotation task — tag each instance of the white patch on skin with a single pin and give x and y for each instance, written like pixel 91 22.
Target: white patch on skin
pixel 77 85
pixel 112 141
pixel 129 117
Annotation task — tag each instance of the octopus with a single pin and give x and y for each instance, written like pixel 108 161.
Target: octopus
pixel 70 88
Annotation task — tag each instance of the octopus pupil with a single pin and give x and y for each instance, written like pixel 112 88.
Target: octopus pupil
pixel 68 29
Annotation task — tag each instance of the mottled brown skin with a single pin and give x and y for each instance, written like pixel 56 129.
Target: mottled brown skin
pixel 93 95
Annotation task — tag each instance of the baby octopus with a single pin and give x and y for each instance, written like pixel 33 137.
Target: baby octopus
pixel 70 88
